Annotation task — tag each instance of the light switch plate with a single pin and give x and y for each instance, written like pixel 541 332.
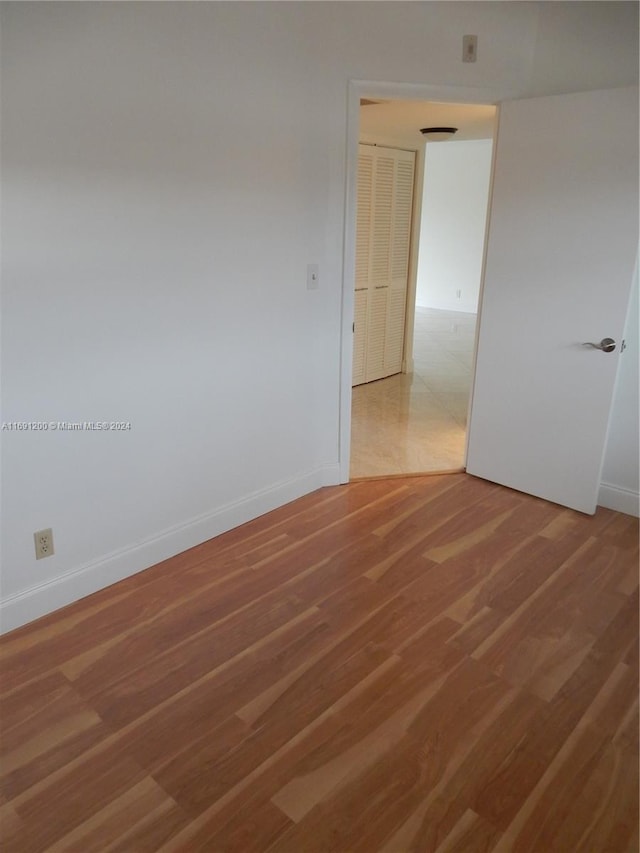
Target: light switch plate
pixel 469 48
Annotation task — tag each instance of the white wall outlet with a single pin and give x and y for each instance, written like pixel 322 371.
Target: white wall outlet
pixel 44 543
pixel 313 276
pixel 469 48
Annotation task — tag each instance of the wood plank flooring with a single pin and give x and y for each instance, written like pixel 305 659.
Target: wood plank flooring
pixel 421 664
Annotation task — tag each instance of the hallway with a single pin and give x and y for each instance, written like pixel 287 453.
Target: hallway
pixel 415 423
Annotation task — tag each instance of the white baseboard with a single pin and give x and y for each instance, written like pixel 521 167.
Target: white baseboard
pixel 30 604
pixel 622 500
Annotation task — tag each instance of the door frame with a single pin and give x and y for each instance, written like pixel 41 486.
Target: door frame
pixel 358 89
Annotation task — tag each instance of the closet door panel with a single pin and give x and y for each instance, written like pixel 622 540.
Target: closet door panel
pixel 402 211
pixel 383 234
pixel 382 219
pixel 360 336
pixel 376 333
pixel 394 331
pixel 363 221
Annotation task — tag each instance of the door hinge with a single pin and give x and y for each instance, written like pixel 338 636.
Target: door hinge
pixel 623 346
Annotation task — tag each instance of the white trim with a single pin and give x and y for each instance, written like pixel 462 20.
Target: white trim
pixel 483 270
pixel 25 606
pixel 622 500
pixel 348 276
pixel 412 271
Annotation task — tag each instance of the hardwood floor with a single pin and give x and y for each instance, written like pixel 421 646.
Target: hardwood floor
pixel 420 664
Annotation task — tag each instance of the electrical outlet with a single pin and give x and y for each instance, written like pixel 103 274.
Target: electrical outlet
pixel 44 543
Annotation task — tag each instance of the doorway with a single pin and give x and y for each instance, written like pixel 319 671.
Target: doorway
pixel 415 421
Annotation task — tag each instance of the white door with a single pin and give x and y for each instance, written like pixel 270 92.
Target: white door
pixel 562 244
pixel 383 230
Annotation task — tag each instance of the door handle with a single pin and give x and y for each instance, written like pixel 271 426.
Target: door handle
pixel 606 345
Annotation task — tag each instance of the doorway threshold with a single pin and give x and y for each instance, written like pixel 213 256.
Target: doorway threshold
pixel 402 476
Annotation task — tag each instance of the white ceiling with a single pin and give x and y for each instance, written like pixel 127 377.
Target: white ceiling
pixel 400 121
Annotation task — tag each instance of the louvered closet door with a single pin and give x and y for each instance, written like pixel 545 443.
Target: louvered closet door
pixel 385 197
pixel 363 252
pixel 400 240
pixel 379 278
pixel 361 307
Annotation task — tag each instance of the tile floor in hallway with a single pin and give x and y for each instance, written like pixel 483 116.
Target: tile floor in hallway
pixel 411 423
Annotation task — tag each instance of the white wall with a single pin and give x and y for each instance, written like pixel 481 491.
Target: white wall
pixel 621 469
pixel 452 229
pixel 169 169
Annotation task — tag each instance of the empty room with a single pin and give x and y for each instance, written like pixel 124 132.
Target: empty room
pixel 211 639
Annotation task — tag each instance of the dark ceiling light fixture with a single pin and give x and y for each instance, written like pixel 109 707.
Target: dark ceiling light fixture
pixel 438 134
